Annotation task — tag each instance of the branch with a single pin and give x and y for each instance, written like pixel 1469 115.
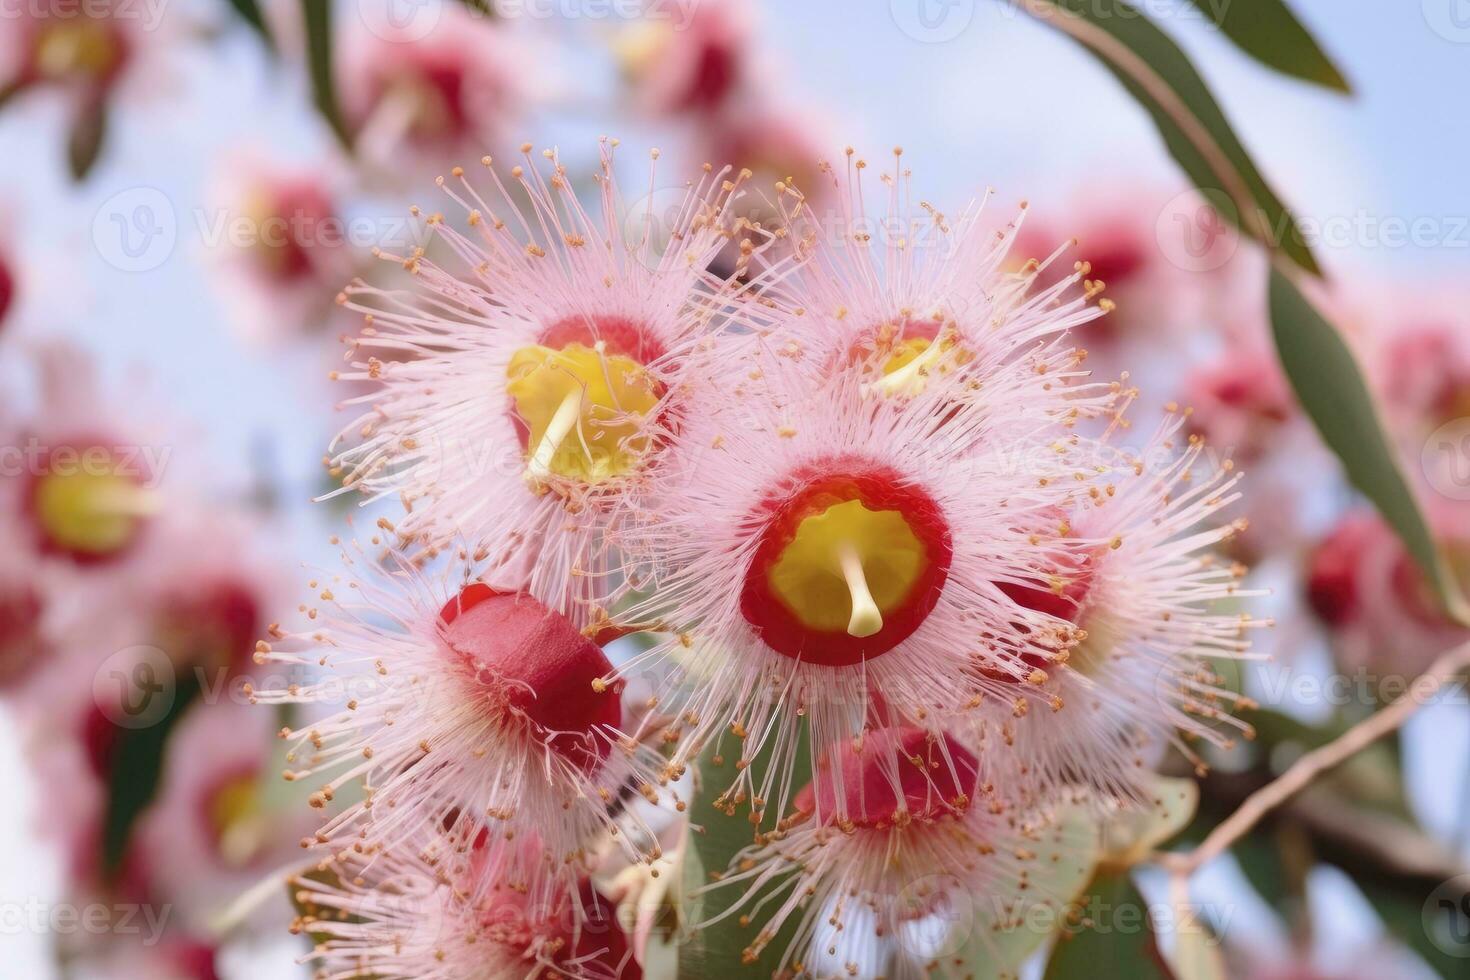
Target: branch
pixel 1364 842
pixel 1318 761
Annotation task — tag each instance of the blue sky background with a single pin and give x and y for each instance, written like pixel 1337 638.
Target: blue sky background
pixel 1005 102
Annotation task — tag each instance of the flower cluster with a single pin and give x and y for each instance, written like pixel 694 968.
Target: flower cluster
pixel 124 651
pixel 879 521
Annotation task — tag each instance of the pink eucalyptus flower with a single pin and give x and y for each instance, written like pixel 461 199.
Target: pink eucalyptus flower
pixel 213 831
pixel 907 294
pixel 409 912
pixel 285 250
pixel 546 376
pixel 827 551
pixel 781 148
pixel 481 712
pixel 417 105
pixel 81 483
pixel 1420 360
pixel 1150 603
pixel 1240 401
pixel 920 841
pixel 688 56
pixel 1167 263
pixel 1375 601
pixel 88 49
pixel 80 491
pixel 93 55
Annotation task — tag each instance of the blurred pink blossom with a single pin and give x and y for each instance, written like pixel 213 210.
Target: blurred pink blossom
pixel 1366 588
pixel 419 105
pixel 221 821
pixel 1164 288
pixel 285 248
pixel 688 56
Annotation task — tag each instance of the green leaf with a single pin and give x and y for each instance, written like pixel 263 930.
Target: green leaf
pixel 88 132
pixel 1160 76
pixel 317 20
pixel 1131 835
pixel 249 11
pixel 1268 31
pixel 1261 862
pixel 1405 921
pixel 1113 940
pixel 1004 935
pixel 718 950
pixel 136 771
pixel 1331 389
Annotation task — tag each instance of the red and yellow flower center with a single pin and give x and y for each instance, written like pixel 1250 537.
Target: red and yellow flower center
pixel 1067 593
pixel 77 50
pixel 905 355
pixel 582 399
pixel 538 666
pixel 88 501
pixel 893 776
pixel 712 47
pixel 851 560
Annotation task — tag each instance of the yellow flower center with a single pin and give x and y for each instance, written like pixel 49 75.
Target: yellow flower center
pixel 90 512
pixel 235 816
pixel 909 362
pixel 79 49
pixel 585 411
pixel 846 567
pixel 1095 651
